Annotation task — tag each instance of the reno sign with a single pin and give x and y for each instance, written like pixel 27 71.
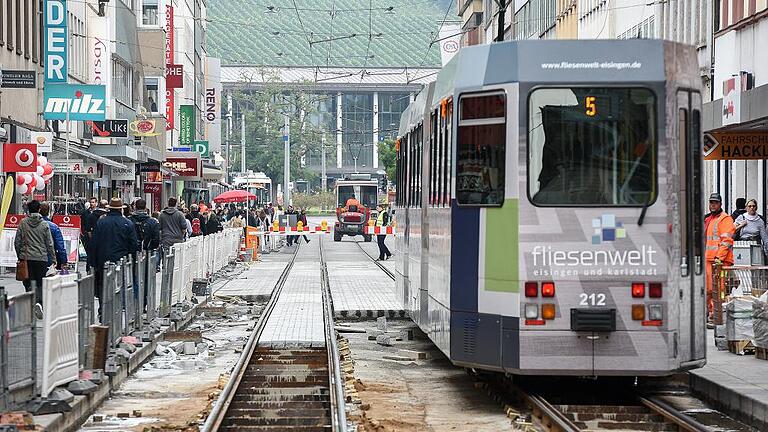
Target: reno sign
pixel 55 24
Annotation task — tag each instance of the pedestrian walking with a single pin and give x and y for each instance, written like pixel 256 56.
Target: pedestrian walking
pixel 33 245
pixel 741 208
pixel 237 221
pixel 60 258
pixel 173 225
pixel 303 219
pixel 213 225
pixel 196 221
pixel 113 238
pixel 382 220
pixel 147 228
pixel 719 229
pixel 85 218
pixel 750 226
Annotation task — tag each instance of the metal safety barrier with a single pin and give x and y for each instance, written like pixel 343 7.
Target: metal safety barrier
pixel 18 350
pixel 129 299
pixel 86 316
pixel 60 335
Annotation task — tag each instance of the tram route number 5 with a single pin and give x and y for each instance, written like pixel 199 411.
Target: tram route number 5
pixel 592 299
pixel 590 105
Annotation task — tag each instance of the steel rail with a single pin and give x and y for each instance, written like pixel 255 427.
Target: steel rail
pixel 375 261
pixel 338 406
pixel 684 422
pixel 219 409
pixel 558 422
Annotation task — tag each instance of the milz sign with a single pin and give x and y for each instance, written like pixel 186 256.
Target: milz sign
pixel 55 16
pixel 82 102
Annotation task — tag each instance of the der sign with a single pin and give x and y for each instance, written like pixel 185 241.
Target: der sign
pixel 55 25
pixel 736 145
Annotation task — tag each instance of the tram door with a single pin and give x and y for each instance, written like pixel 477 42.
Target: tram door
pixel 692 297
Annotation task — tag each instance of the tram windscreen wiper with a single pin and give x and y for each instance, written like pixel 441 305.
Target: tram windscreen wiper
pixel 645 208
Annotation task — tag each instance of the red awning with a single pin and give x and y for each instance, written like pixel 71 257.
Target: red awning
pixel 234 196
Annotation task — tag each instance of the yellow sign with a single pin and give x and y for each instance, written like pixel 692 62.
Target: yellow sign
pixel 736 145
pixel 10 185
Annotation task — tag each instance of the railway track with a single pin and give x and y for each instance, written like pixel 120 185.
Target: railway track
pixel 272 389
pixel 649 414
pixel 580 406
pixel 377 262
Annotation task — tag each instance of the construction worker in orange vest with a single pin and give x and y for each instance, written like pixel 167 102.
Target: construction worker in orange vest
pixel 719 229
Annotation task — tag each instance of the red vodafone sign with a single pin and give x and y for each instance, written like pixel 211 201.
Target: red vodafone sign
pixel 19 157
pixel 13 220
pixel 67 221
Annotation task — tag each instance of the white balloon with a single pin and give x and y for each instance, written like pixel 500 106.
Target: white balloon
pixel 39 179
pixel 27 178
pixel 48 177
pixel 40 170
pixel 40 185
pixel 22 189
pixel 42 160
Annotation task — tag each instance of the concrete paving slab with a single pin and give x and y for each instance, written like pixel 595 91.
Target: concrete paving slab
pixel 737 385
pixel 297 318
pixel 257 283
pixel 361 286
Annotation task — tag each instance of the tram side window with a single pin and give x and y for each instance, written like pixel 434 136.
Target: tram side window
pixel 433 158
pixel 481 149
pixel 592 147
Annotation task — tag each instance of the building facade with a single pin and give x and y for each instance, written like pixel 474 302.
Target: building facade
pixel 740 97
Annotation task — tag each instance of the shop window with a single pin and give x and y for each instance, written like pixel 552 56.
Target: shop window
pixel 151 94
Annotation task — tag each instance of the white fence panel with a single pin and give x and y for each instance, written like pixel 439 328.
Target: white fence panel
pixel 60 335
pixel 178 272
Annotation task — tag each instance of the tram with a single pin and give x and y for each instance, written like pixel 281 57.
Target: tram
pixel 256 183
pixel 549 208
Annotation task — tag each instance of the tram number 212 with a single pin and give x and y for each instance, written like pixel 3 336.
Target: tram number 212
pixel 592 299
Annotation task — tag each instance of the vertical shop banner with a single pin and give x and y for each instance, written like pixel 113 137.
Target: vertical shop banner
pixel 7 251
pixel 70 230
pixel 169 93
pixel 213 104
pixel 100 61
pixel 732 100
pixel 55 39
pixel 186 125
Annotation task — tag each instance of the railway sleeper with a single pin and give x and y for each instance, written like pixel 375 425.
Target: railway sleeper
pixel 268 416
pixel 281 421
pixel 246 428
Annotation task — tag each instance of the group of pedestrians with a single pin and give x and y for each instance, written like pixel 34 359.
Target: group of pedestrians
pixel 722 229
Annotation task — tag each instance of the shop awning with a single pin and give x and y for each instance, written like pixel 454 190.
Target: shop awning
pixel 212 173
pixel 86 153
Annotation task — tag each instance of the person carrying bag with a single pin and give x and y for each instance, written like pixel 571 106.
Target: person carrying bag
pixel 33 244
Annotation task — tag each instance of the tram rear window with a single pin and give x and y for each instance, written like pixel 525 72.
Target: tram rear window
pixel 592 147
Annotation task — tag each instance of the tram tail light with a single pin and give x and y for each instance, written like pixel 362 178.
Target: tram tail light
pixel 654 290
pixel 531 311
pixel 531 289
pixel 655 312
pixel 638 289
pixel 548 289
pixel 548 311
pixel 638 312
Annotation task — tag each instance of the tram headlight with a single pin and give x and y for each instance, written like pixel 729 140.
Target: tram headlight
pixel 531 311
pixel 655 312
